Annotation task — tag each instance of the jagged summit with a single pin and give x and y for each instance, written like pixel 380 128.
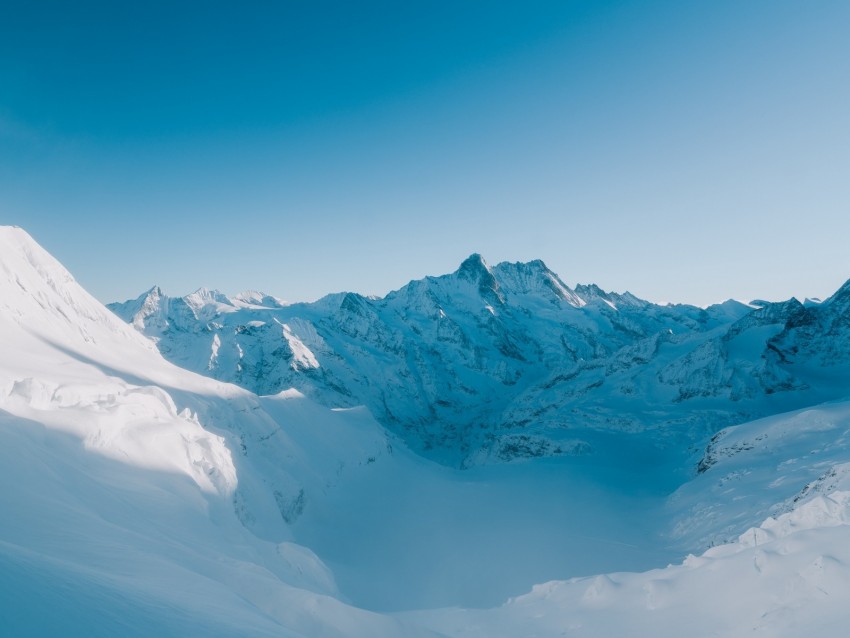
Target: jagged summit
pixel 506 279
pixel 590 293
pixel 154 291
pixel 473 267
pixel 476 271
pixel 535 278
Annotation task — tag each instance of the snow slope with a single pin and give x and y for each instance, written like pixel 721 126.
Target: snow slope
pixel 140 498
pixel 761 469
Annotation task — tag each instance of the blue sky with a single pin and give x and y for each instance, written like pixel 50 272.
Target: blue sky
pixel 686 151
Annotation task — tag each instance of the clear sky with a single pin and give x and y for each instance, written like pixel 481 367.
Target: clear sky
pixel 683 150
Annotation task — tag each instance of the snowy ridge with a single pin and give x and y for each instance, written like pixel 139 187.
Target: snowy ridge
pixel 38 293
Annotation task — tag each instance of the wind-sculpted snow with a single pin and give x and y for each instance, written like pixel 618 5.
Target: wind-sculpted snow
pixel 455 364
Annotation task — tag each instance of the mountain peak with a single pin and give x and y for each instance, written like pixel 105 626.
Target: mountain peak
pixel 534 277
pixel 148 309
pixel 476 271
pixel 257 298
pixel 204 296
pixel 591 291
pixel 154 292
pixel 538 264
pixel 473 267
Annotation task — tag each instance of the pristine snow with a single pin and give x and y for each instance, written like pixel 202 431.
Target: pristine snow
pixel 140 498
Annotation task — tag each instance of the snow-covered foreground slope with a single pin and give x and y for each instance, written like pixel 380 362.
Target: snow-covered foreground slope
pixel 142 499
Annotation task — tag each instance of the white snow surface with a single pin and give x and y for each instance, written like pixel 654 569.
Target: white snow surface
pixel 144 499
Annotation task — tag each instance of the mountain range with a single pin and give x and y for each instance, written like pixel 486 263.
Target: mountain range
pixel 491 364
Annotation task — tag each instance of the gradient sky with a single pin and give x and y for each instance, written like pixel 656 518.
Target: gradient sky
pixel 685 151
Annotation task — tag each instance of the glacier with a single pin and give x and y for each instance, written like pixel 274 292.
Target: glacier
pixel 490 452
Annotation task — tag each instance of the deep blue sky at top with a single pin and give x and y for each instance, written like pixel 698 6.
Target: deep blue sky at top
pixel 687 151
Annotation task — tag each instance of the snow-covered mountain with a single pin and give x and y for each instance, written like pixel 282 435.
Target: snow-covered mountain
pixel 142 498
pixel 491 364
